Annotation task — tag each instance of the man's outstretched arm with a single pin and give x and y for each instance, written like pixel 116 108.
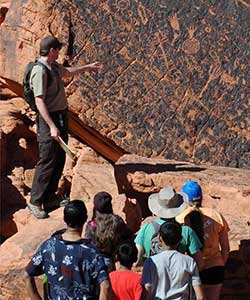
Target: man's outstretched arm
pixel 32 288
pixel 93 67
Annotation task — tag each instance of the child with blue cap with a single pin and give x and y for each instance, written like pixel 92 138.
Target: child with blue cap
pixel 212 230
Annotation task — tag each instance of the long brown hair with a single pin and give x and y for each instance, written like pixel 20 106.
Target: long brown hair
pixel 195 218
pixel 110 231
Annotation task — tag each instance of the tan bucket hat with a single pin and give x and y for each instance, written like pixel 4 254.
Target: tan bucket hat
pixel 167 203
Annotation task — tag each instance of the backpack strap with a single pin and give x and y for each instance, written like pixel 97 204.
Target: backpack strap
pixel 37 62
pixel 156 227
pixel 155 247
pixel 48 72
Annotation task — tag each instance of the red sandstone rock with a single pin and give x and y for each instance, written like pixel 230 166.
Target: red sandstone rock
pixel 150 111
pixel 16 252
pixel 174 85
pixel 18 158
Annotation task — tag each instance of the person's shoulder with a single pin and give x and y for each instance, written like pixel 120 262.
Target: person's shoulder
pixel 160 259
pixel 50 241
pixel 186 229
pixel 188 260
pixel 153 221
pixel 214 216
pixel 114 274
pixel 188 234
pixel 133 276
pixel 145 226
pixel 37 68
pixel 56 65
pixel 58 232
pixel 181 217
pixel 159 256
pixel 87 245
pixel 184 258
pixel 210 212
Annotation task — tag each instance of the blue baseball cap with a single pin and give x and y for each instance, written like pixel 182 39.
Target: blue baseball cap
pixel 193 190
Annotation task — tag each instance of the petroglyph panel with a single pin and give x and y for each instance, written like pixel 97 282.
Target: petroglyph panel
pixel 177 77
pixel 176 81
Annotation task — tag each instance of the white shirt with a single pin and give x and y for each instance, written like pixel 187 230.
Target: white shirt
pixel 170 275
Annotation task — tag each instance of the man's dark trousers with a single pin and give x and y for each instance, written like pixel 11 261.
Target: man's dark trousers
pixel 52 158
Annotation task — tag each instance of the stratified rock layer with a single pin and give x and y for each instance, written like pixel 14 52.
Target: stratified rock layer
pixel 176 78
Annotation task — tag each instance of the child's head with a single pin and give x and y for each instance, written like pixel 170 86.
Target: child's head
pixel 102 204
pixel 193 190
pixel 75 214
pixel 107 233
pixel 127 254
pixel 170 232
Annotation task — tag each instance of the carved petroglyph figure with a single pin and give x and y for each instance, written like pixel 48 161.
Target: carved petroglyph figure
pixel 245 3
pixel 191 45
pixel 91 51
pixel 123 4
pixel 173 20
pixel 228 79
pixel 215 72
pixel 190 63
pixel 142 13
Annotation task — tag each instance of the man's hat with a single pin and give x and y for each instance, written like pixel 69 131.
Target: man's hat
pixel 50 42
pixel 167 203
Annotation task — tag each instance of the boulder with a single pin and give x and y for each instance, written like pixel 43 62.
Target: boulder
pixel 18 152
pixel 17 251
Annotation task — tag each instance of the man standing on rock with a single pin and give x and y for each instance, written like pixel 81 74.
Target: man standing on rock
pixel 74 267
pixel 51 102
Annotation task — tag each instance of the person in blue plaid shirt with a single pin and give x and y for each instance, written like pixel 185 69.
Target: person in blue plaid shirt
pixel 74 267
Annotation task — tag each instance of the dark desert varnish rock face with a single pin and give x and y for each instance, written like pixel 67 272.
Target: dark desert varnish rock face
pixel 176 77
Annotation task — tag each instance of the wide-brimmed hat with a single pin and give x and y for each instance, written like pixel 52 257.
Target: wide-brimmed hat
pixel 167 203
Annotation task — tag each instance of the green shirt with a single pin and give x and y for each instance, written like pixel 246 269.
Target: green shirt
pixel 189 243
